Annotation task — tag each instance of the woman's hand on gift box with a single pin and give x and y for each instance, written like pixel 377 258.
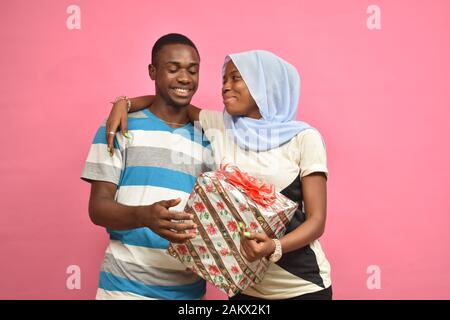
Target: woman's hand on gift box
pixel 255 246
pixel 169 224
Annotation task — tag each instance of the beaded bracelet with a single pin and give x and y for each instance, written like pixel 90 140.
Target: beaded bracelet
pixel 120 98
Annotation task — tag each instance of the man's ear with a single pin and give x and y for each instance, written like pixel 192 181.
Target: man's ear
pixel 152 71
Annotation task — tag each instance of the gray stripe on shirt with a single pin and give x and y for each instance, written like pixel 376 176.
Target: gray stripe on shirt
pixel 101 172
pixel 164 158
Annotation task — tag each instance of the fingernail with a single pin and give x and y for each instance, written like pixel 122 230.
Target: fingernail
pixel 247 234
pixel 126 135
pixel 191 216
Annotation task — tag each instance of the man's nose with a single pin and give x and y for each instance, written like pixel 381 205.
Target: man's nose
pixel 184 77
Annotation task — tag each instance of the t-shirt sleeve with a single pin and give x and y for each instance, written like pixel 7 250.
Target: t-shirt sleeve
pixel 100 166
pixel 212 123
pixel 313 157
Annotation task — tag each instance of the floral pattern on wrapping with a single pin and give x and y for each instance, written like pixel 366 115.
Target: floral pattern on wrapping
pixel 220 205
pixel 199 206
pixel 221 209
pixel 213 270
pixel 201 210
pixel 211 229
pixel 243 282
pixel 182 249
pixel 215 275
pixel 202 250
pixel 209 188
pixel 242 207
pixel 225 252
pixel 234 269
pixel 183 253
pixel 232 227
pixel 254 226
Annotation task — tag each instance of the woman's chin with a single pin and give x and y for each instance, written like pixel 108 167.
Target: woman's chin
pixel 232 111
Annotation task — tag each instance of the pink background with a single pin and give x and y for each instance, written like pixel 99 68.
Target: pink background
pixel 379 97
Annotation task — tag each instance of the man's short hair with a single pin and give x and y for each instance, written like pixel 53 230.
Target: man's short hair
pixel 171 38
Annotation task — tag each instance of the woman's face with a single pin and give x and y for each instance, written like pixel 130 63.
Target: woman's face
pixel 236 96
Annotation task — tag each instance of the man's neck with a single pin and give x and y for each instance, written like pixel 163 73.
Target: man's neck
pixel 170 114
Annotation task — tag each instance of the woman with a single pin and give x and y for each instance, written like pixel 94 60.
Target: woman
pixel 258 133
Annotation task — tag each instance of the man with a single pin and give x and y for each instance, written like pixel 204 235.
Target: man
pixel 152 169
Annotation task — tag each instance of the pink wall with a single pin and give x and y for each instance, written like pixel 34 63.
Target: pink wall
pixel 379 97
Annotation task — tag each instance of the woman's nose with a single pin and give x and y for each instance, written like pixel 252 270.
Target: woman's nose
pixel 225 87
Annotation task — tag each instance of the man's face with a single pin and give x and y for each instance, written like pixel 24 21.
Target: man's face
pixel 176 73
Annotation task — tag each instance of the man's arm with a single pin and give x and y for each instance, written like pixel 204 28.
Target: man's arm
pixel 106 212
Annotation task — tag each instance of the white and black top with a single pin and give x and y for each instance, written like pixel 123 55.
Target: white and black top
pixel 302 271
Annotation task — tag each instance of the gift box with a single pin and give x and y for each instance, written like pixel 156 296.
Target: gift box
pixel 219 201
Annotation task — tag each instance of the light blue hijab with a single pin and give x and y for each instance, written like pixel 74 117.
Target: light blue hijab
pixel 275 86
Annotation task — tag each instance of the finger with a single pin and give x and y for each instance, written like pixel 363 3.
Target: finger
pixel 176 215
pixel 111 144
pixel 181 226
pixel 107 126
pixel 170 203
pixel 245 244
pixel 114 125
pixel 241 229
pixel 110 139
pixel 245 254
pixel 241 226
pixel 124 124
pixel 245 234
pixel 176 237
pixel 260 237
pixel 242 251
pixel 251 247
pixel 254 249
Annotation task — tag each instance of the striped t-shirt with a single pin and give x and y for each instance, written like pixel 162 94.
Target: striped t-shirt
pixel 157 163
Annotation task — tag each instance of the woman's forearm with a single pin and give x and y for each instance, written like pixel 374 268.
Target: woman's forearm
pixel 141 102
pixel 315 202
pixel 193 113
pixel 306 233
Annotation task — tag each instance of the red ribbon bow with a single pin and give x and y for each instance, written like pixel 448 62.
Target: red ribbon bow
pixel 259 191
